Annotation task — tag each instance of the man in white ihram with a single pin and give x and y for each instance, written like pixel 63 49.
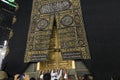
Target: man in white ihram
pixel 56 75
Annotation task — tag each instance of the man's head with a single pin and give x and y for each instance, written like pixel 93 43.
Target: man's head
pixel 47 76
pixel 32 78
pixel 21 77
pixel 80 77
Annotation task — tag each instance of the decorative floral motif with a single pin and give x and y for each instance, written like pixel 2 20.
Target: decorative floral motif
pixel 67 20
pixel 42 24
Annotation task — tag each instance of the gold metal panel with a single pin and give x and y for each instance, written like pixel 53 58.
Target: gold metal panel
pixel 56 61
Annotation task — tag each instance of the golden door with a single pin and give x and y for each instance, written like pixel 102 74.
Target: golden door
pixel 54 57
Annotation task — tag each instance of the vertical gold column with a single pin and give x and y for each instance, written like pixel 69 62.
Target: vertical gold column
pixel 38 66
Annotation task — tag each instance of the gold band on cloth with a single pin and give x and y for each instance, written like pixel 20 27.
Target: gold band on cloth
pixel 66 15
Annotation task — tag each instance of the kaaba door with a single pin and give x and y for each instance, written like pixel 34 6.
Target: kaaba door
pixel 56 62
pixel 56 28
pixel 54 57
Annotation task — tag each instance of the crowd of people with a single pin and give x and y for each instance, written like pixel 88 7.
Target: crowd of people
pixel 55 74
pixel 62 74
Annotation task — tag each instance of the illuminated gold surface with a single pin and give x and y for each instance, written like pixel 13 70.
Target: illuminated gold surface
pixel 55 58
pixel 55 29
pixel 56 62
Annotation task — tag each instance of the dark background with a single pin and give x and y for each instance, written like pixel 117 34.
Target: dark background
pixel 102 24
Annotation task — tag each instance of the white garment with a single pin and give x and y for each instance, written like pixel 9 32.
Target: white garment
pixel 55 75
pixel 65 76
pixel 41 76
